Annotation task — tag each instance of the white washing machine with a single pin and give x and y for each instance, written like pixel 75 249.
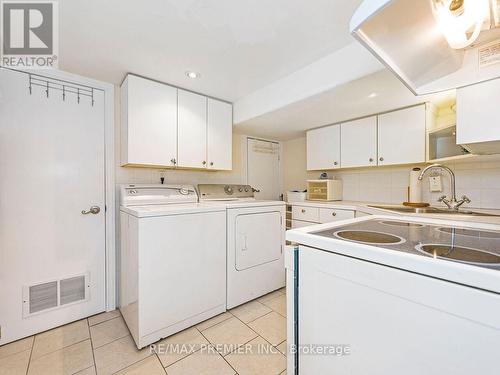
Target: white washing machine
pixel 255 241
pixel 173 260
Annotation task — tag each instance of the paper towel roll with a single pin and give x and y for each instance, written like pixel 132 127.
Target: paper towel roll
pixel 415 186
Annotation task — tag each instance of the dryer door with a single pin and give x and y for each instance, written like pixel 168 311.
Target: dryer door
pixel 258 239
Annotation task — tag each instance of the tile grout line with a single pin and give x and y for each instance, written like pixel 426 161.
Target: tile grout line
pixel 258 335
pixel 92 346
pixel 161 364
pixel 253 320
pixel 132 364
pixel 31 353
pixel 104 321
pixel 225 360
pixel 216 324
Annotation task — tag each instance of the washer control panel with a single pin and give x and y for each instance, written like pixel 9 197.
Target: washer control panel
pixel 223 191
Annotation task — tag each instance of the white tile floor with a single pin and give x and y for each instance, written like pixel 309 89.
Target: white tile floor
pixel 102 344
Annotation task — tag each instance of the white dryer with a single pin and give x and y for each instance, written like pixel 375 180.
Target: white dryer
pixel 255 241
pixel 173 260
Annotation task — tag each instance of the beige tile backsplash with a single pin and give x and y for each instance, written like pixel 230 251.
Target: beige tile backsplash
pixel 480 181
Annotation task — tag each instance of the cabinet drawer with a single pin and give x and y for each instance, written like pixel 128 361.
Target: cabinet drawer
pixel 327 215
pixel 301 224
pixel 305 213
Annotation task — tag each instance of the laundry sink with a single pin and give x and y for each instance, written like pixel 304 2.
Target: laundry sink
pixel 430 210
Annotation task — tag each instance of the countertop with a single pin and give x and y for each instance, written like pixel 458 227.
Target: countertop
pixel 466 274
pixel 365 208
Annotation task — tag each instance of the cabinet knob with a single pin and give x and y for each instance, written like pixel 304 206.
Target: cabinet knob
pixel 334 214
pixel 371 160
pixel 204 162
pixel 173 161
pixel 211 163
pixel 381 159
pixel 303 211
pixel 335 163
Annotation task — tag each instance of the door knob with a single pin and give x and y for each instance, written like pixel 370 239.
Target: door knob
pixel 93 210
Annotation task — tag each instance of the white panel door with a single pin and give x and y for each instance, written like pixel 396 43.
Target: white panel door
pixel 220 135
pixel 149 128
pixel 401 136
pixel 192 130
pixel 52 167
pixel 263 168
pixel 323 148
pixel 359 143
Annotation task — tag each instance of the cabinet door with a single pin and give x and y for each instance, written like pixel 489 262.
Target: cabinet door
pixel 192 130
pixel 477 113
pixel 323 148
pixel 401 136
pixel 149 122
pixel 359 143
pixel 220 135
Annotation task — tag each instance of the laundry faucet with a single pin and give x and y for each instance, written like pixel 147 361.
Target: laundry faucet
pixel 453 203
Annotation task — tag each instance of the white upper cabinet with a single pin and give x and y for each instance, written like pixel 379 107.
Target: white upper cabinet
pixel 401 136
pixel 478 122
pixel 359 143
pixel 192 130
pixel 219 135
pixel 323 148
pixel 162 126
pixel 149 123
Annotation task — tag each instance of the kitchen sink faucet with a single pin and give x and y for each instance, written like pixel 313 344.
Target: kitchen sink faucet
pixel 453 203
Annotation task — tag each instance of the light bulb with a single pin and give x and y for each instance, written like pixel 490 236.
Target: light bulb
pixel 457 18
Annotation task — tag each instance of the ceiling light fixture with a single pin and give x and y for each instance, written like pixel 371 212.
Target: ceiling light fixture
pixel 192 75
pixel 461 21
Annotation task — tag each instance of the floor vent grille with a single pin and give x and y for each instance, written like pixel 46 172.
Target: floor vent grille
pixel 54 294
pixel 43 297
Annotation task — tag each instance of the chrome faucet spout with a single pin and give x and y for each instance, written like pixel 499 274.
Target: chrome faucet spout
pixel 453 203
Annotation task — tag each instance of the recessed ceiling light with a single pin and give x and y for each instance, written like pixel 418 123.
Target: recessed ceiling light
pixel 192 74
pixel 373 95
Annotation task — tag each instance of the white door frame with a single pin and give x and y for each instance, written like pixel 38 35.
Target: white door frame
pixel 244 158
pixel 109 152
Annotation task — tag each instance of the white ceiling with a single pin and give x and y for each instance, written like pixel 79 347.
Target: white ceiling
pixel 341 103
pixel 238 46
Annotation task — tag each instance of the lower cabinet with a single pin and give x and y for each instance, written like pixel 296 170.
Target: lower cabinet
pixel 303 216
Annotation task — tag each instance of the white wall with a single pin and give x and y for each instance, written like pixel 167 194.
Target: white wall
pixel 479 180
